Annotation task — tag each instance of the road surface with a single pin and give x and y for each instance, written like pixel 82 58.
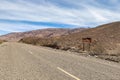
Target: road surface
pixel 26 62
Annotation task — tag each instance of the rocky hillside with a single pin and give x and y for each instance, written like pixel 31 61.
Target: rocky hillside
pixel 106 37
pixel 105 42
pixel 42 33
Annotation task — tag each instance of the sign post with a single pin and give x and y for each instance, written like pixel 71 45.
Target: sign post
pixel 86 43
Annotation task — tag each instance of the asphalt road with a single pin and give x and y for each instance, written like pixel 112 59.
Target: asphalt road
pixel 26 62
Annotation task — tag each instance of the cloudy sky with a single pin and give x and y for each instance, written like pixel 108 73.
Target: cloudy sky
pixel 24 15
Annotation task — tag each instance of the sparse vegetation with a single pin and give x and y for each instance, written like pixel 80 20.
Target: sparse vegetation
pixel 105 41
pixel 41 33
pixel 48 42
pixel 97 49
pixel 1 41
pixel 30 40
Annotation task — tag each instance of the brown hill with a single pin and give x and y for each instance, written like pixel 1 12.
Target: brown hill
pixel 42 33
pixel 105 36
pixel 105 40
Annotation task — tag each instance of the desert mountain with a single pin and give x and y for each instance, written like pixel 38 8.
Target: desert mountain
pixel 41 33
pixel 105 40
pixel 106 36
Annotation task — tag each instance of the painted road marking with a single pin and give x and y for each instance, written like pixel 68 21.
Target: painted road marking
pixel 68 73
pixel 30 52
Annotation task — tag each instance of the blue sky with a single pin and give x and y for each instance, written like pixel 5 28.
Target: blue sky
pixel 25 15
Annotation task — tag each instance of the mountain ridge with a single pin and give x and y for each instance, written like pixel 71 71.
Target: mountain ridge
pixel 43 33
pixel 105 39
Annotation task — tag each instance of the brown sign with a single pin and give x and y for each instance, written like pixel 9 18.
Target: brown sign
pixel 89 40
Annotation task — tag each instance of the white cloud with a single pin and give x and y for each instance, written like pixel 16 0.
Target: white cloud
pixel 13 27
pixel 83 13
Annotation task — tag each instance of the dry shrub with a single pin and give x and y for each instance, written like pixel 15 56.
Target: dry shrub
pixel 52 45
pixel 47 42
pixel 1 41
pixel 97 49
pixel 30 40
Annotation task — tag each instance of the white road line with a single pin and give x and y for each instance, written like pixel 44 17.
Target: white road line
pixel 30 52
pixel 68 73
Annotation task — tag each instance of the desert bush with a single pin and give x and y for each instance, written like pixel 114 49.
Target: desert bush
pixel 47 42
pixel 52 45
pixel 30 40
pixel 1 41
pixel 97 49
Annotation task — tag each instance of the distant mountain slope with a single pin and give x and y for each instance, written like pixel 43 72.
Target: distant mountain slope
pixel 42 33
pixel 107 36
pixel 105 40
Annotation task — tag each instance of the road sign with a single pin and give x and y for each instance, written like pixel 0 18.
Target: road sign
pixel 86 43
